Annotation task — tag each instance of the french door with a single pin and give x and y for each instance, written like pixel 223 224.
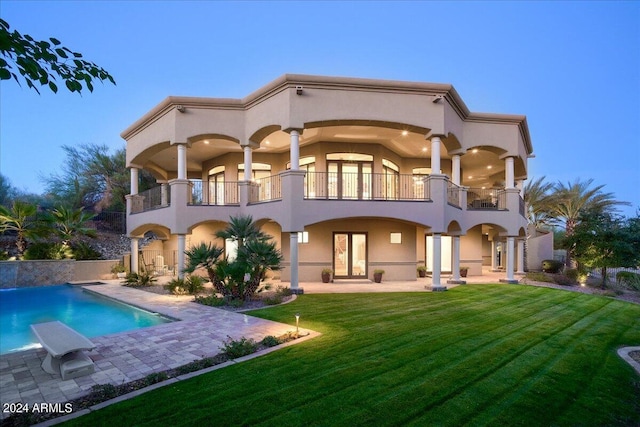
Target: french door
pixel 349 180
pixel 349 255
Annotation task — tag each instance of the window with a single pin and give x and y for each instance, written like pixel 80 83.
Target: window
pixel 216 186
pixel 349 176
pixel 418 181
pixel 391 176
pixel 258 170
pixel 395 238
pixel 303 237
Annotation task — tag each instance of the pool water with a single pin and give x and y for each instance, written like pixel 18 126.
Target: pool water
pixel 90 314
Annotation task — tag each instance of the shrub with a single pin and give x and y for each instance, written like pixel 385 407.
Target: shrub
pixel 563 280
pixel 284 291
pixel 83 251
pixel 270 341
pixel 47 250
pixel 155 377
pixel 552 266
pixel 273 299
pixel 629 279
pixel 210 300
pixel 572 274
pixel 135 280
pixel 239 348
pixel 102 392
pixel 192 285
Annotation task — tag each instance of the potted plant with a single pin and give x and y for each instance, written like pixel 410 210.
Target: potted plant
pixel 119 271
pixel 463 271
pixel 422 271
pixel 377 275
pixel 326 275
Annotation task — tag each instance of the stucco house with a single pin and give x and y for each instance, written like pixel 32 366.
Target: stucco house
pixel 346 173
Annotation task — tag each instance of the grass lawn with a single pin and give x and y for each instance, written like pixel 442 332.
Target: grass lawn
pixel 477 354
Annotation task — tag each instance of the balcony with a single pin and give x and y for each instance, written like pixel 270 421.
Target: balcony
pixel 208 193
pixel 266 189
pixel 486 199
pixel 154 198
pixel 364 186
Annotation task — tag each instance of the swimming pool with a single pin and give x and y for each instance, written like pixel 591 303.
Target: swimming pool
pixel 90 314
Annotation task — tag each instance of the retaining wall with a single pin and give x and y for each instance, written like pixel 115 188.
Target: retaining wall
pixel 17 274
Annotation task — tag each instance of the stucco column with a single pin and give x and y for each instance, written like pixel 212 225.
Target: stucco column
pixel 164 194
pixel 295 149
pixel 436 284
pixel 455 278
pixel 248 161
pixel 510 258
pixel 435 155
pixel 134 181
pixel 182 161
pixel 134 255
pixel 182 246
pixel 455 169
pixel 494 255
pixel 520 268
pixel 293 254
pixel 509 172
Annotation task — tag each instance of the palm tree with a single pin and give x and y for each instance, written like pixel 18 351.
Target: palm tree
pixel 568 202
pixel 536 198
pixel 203 256
pixel 69 223
pixel 21 219
pixel 241 229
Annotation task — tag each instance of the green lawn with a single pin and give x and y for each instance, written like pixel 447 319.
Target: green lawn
pixel 478 355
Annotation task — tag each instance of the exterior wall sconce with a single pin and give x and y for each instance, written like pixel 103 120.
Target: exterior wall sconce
pixel 180 108
pixel 298 90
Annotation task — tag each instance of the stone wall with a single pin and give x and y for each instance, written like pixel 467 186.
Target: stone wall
pixel 16 274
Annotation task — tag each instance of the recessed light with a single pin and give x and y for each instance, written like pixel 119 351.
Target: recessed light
pixel 474 151
pixel 405 132
pixel 206 141
pixel 267 142
pixel 470 177
pixel 489 167
pixel 424 149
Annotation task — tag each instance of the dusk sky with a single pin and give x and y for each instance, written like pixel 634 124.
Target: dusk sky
pixel 573 68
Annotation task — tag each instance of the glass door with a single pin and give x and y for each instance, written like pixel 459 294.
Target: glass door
pixel 350 255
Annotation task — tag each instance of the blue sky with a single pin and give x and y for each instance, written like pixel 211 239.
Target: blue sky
pixel 573 68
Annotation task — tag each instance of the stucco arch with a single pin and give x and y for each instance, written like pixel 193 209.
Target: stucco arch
pixel 162 232
pixel 451 143
pixel 213 137
pixel 373 123
pixel 454 228
pixel 263 132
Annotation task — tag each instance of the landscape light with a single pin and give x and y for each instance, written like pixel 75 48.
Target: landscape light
pixel 297 323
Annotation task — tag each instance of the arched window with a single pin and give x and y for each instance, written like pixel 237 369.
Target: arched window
pixel 349 176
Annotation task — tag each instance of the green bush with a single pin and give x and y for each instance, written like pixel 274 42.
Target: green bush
pixel 135 280
pixel 47 250
pixel 239 348
pixel 629 279
pixel 270 341
pixel 210 300
pixel 564 280
pixel 83 251
pixel 273 299
pixel 192 285
pixel 552 266
pixel 572 273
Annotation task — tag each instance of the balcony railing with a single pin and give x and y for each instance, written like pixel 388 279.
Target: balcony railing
pixel 151 199
pixel 364 186
pixel 266 189
pixel 214 193
pixel 486 198
pixel 453 194
pixel 522 206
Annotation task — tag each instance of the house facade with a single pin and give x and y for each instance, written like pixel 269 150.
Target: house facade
pixel 349 174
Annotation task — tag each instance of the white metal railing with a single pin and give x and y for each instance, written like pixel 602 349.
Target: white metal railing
pixel 364 186
pixel 486 198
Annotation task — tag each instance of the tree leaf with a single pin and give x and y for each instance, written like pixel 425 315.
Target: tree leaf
pixel 53 87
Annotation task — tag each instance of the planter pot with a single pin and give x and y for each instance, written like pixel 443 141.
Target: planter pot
pixel 463 273
pixel 121 275
pixel 326 277
pixel 422 273
pixel 377 277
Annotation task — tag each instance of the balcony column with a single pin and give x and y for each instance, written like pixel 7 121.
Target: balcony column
pixel 509 173
pixel 293 254
pixel 181 257
pixel 134 181
pixel 248 161
pixel 294 148
pixel 164 188
pixel 134 255
pixel 182 160
pixel 437 264
pixel 455 278
pixel 520 263
pixel 494 255
pixel 510 258
pixel 455 169
pixel 435 155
